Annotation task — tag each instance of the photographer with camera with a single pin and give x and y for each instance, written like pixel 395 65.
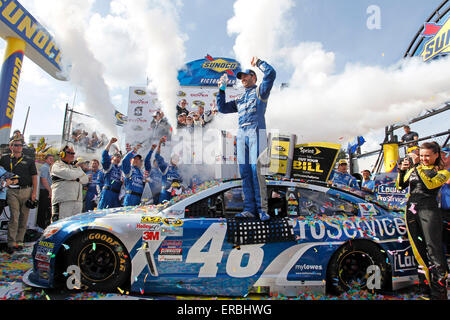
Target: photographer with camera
pixel 424 175
pixel 22 196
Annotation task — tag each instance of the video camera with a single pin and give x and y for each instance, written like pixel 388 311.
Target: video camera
pixel 410 160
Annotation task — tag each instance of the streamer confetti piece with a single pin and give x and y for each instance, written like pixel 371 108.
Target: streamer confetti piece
pixel 412 208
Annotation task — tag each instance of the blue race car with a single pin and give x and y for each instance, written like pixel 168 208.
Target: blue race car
pixel 319 239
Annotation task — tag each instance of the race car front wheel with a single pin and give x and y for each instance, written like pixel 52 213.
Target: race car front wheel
pixel 359 265
pixel 99 260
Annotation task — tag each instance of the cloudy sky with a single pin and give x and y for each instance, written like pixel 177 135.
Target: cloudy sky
pixel 345 69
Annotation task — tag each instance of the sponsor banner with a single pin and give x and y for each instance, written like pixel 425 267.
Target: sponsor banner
pixel 314 161
pixel 9 85
pixel 207 71
pixel 142 104
pixel 437 40
pixel 386 192
pixel 17 22
pixel 204 97
pixel 281 155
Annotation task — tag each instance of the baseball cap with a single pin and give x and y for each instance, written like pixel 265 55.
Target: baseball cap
pixel 138 155
pixel 246 71
pixel 342 161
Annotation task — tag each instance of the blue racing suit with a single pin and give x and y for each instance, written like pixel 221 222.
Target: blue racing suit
pixel 344 179
pixel 112 183
pixel 92 189
pixel 155 177
pixel 170 174
pixel 134 181
pixel 251 139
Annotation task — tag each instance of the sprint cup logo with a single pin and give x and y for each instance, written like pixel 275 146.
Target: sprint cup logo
pixel 439 42
pixel 305 150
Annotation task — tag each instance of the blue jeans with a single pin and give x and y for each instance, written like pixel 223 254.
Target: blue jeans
pixel 251 145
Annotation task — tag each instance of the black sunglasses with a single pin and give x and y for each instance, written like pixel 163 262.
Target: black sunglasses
pixel 18 145
pixel 68 152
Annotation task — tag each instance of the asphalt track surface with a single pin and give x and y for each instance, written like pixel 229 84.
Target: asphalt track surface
pixel 12 268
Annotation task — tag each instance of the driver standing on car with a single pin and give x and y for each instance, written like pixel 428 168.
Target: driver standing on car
pixel 251 138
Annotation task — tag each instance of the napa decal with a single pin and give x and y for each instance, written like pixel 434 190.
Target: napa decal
pixel 16 21
pixel 439 40
pixel 220 65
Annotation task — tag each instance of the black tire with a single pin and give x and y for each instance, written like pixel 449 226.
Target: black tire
pixel 103 261
pixel 348 267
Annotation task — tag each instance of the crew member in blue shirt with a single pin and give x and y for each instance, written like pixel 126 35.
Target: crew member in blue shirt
pixel 112 178
pixel 155 175
pixel 367 183
pixel 171 177
pixel 342 177
pixel 251 139
pixel 94 175
pixel 134 178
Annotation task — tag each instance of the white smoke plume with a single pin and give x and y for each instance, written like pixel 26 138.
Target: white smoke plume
pixel 153 26
pixel 259 27
pixel 320 105
pixel 67 20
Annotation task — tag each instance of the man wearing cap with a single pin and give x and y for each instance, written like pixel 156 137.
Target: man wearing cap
pixel 24 167
pixel 159 126
pixel 367 183
pixel 251 139
pixel 134 178
pixel 182 107
pixel 67 185
pixel 112 178
pixel 342 177
pixel 154 175
pixel 171 177
pixel 95 175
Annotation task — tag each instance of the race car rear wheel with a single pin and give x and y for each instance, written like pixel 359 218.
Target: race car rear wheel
pixel 102 260
pixel 349 266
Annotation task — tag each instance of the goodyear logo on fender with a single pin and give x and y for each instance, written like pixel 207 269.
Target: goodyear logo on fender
pixel 219 65
pixel 439 42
